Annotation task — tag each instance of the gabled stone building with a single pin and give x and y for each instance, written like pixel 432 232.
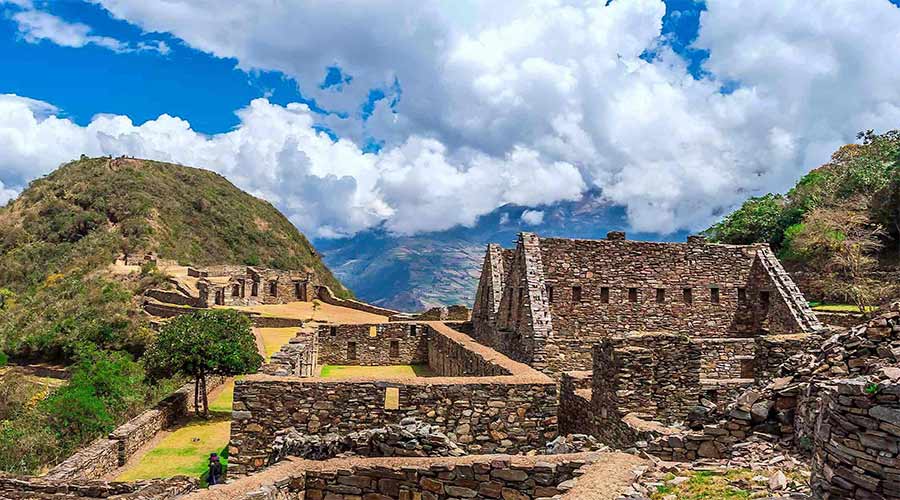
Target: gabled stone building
pixel 549 300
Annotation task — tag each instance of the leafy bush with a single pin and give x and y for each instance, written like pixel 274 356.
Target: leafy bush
pixel 4 359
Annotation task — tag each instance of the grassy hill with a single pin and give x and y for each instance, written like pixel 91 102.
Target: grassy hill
pixel 840 224
pixel 66 228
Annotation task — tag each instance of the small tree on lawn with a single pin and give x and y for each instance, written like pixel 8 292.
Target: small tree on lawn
pixel 213 342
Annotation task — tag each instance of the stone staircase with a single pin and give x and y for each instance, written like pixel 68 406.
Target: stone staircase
pixel 789 291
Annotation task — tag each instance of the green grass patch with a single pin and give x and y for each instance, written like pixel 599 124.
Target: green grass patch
pixel 186 450
pixel 733 484
pixel 346 371
pixel 843 308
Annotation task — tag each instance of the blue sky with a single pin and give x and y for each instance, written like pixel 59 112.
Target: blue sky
pixel 422 115
pixel 199 87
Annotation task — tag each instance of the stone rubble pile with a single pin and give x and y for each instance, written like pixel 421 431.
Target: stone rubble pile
pixel 409 438
pixel 574 443
pixel 860 350
pixel 758 467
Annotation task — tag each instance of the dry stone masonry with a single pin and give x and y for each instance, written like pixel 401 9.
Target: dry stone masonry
pixel 548 301
pixel 498 406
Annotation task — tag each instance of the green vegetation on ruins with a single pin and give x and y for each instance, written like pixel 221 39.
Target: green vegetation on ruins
pixel 66 228
pixel 60 301
pixel 841 221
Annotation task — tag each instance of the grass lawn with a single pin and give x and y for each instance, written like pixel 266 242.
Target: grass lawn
pixel 342 371
pixel 274 338
pixel 186 450
pixel 733 484
pixel 850 308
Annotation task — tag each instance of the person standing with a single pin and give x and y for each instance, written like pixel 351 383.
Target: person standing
pixel 215 469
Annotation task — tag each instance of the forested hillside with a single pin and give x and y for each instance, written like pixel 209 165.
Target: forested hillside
pixel 840 224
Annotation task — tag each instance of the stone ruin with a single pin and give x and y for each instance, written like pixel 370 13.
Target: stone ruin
pixel 548 301
pixel 670 351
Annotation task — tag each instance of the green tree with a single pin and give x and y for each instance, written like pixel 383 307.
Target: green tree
pixel 760 219
pixel 204 343
pixel 105 386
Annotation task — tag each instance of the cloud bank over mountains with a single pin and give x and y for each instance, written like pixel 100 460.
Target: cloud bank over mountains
pixel 479 104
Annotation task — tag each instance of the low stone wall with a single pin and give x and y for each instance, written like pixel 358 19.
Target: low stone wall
pixel 481 477
pixel 327 296
pixel 856 445
pixel 173 297
pixel 451 313
pixel 452 354
pixel 575 413
pixel 373 344
pixel 275 322
pixel 105 455
pixel 480 414
pixel 510 408
pixel 726 358
pixel 841 319
pixel 773 350
pixel 94 461
pixel 35 488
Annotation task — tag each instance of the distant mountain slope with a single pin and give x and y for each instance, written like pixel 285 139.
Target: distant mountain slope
pixel 441 268
pixel 58 238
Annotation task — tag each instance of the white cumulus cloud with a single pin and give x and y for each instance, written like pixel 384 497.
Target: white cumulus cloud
pixel 533 217
pixel 36 25
pixel 525 101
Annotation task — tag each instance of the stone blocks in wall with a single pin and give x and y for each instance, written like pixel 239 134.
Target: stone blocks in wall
pixel 726 358
pixel 575 412
pixel 481 416
pixel 493 477
pixel 856 442
pixel 773 350
pixel 657 374
pixel 44 488
pixel 375 344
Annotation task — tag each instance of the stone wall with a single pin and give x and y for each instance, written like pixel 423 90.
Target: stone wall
pixel 561 296
pixel 654 374
pixel 34 488
pixel 773 350
pixel 105 455
pixel 298 358
pixel 508 408
pixel 726 358
pixel 327 296
pixel 575 411
pixel 487 415
pixel 494 272
pixel 841 319
pixel 452 354
pixel 373 344
pixel 856 443
pixel 479 477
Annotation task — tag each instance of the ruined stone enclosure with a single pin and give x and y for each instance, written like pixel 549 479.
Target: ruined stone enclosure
pixel 549 300
pixel 479 400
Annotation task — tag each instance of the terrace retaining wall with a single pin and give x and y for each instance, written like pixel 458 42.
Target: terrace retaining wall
pixel 105 455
